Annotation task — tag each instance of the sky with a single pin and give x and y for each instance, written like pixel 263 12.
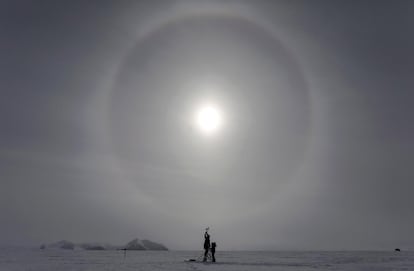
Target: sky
pixel 99 139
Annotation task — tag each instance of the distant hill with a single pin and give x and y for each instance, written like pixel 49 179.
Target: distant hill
pixel 149 245
pixel 63 244
pixel 93 246
pixel 135 244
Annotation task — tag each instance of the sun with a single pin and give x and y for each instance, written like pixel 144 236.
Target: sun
pixel 208 119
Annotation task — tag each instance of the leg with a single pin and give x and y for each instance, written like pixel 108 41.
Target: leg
pixel 205 255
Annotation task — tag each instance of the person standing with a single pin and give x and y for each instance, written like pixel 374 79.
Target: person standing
pixel 213 251
pixel 206 244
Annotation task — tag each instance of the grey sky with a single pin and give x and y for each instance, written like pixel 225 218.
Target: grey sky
pixel 97 142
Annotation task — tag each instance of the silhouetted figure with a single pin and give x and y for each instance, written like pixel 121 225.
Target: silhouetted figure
pixel 213 251
pixel 397 249
pixel 206 244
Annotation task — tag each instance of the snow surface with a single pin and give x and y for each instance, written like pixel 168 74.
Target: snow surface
pixel 16 259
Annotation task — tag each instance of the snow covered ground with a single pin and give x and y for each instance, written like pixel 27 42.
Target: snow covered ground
pixel 45 260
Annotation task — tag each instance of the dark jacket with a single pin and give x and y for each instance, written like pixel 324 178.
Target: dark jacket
pixel 206 240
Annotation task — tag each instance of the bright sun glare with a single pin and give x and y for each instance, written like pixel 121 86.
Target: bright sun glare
pixel 208 119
